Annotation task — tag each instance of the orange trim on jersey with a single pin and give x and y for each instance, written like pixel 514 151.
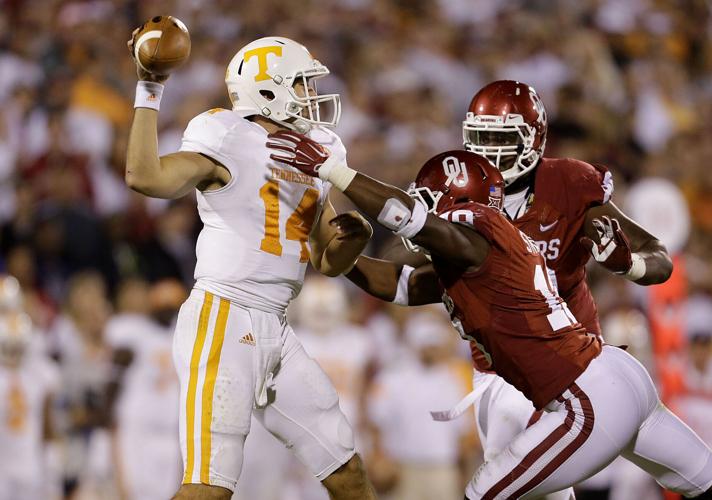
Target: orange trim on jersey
pixel 211 373
pixel 193 385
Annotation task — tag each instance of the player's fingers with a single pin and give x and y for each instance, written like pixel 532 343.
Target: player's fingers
pixel 281 147
pixel 275 139
pixel 621 238
pixel 607 227
pixel 134 33
pixel 345 221
pixel 608 223
pixel 348 226
pixel 340 218
pixel 282 159
pixel 285 135
pixel 598 225
pixel 588 243
pixel 615 224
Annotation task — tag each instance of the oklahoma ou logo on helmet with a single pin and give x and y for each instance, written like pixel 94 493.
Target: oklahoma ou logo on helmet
pixel 454 169
pixel 538 106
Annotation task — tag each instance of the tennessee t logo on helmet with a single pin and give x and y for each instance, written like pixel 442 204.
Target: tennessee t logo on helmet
pixel 261 54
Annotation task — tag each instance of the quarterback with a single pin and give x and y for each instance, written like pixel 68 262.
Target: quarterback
pixel 234 352
pixel 598 401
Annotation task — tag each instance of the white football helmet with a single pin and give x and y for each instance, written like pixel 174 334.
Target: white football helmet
pixel 15 337
pixel 10 294
pixel 260 79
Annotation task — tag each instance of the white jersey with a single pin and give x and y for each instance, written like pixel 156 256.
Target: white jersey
pixel 253 248
pixel 149 392
pixel 23 393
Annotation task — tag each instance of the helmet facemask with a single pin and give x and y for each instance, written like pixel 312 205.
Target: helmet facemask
pixel 508 143
pixel 310 108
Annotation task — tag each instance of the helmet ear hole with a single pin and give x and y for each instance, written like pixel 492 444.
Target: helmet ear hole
pixel 267 94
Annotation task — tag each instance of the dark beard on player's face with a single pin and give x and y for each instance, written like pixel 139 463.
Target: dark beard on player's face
pixel 525 181
pixel 507 162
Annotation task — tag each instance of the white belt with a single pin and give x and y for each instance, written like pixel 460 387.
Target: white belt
pixel 461 407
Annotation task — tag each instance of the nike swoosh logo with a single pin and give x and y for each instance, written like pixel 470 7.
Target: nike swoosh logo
pixel 543 228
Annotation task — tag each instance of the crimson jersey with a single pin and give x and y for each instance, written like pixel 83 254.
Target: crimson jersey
pixel 511 312
pixel 564 190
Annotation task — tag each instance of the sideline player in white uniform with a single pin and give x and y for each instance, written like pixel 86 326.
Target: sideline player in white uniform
pixel 344 350
pixel 234 352
pixel 146 389
pixel 27 381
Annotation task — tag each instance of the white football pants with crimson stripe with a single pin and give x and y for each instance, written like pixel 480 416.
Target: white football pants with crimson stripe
pixel 234 362
pixel 612 409
pixel 502 412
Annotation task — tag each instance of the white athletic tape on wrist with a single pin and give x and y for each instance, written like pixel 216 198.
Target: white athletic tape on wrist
pixel 637 269
pixel 336 171
pixel 148 95
pixel 401 297
pixel 415 223
pixel 394 215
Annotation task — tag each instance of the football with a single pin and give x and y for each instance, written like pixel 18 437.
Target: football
pixel 162 45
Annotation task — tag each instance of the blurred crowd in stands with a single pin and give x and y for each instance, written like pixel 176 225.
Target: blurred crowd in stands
pixel 626 83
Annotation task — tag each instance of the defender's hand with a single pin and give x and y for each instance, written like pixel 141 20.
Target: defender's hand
pixel 613 252
pixel 352 226
pixel 298 150
pixel 140 72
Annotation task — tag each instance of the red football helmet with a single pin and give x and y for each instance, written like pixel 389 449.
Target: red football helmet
pixel 457 177
pixel 506 123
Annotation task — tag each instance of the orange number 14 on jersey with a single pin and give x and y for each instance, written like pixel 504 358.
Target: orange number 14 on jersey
pixel 298 225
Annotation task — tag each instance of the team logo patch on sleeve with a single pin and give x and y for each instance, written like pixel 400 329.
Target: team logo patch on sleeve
pixel 495 198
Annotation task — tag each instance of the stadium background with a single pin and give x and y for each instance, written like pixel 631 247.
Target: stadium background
pixel 626 83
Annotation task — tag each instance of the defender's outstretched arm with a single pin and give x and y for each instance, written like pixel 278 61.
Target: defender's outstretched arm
pixel 397 211
pixel 390 206
pixel 397 283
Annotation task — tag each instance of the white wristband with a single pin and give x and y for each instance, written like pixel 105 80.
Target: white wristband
pixel 637 269
pixel 415 223
pixel 336 171
pixel 148 95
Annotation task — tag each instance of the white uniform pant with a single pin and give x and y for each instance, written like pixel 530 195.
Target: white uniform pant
pixel 502 412
pixel 612 409
pixel 234 362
